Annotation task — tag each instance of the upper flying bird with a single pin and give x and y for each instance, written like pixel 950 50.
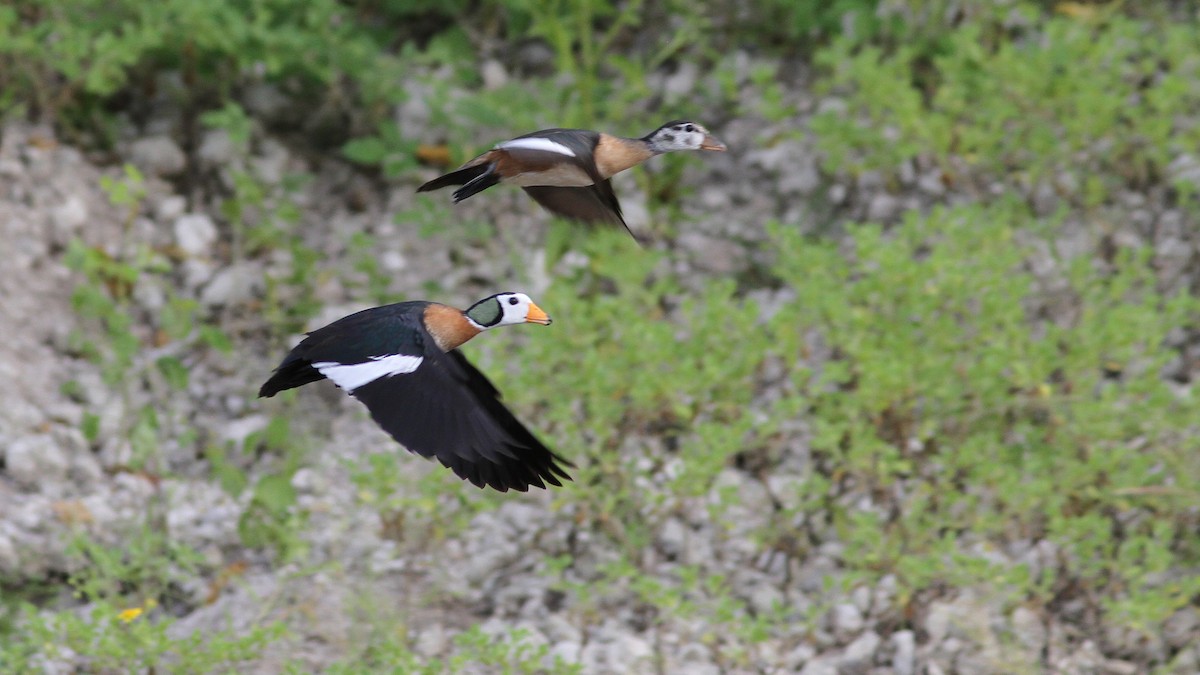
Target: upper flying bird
pixel 402 361
pixel 568 171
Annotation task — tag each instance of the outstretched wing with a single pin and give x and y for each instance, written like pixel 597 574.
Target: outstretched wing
pixel 446 408
pixel 595 204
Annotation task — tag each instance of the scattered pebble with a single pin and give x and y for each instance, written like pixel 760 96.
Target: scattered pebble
pixel 195 234
pixel 158 156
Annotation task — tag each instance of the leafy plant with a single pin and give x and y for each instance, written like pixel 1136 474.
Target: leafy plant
pixel 123 625
pixel 1088 107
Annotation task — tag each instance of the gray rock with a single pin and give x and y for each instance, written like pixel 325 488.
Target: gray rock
pixel 799 656
pixel 1184 168
pixel 1118 667
pixel 68 217
pixel 196 272
pixel 36 461
pixel 168 208
pixel 631 653
pixel 271 164
pixel 680 84
pixel 931 183
pixel 860 654
pixel 1172 224
pixel 10 168
pixel 558 629
pixel 566 651
pixel 937 621
pixel 846 621
pixel 883 208
pixel 802 178
pixel 195 234
pixel 158 156
pixel 232 285
pixel 1186 661
pixel 267 102
pixel 672 537
pixel 1085 659
pixel 772 158
pixel 837 194
pixel 699 668
pixel 825 664
pixel 717 256
pixel 861 597
pixel 1181 629
pixel 904 652
pixel 883 595
pixel 412 116
pixel 1044 199
pixel 765 598
pixel 536 57
pixel 870 181
pixel 493 73
pixel 217 149
pixel 832 105
pixel 10 562
pixel 1029 630
pixel 149 294
pixel 1124 639
pixel 236 431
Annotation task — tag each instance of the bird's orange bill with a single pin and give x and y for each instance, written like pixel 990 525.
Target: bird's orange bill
pixel 711 143
pixel 536 315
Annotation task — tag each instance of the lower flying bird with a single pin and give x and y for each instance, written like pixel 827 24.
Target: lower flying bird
pixel 568 171
pixel 402 361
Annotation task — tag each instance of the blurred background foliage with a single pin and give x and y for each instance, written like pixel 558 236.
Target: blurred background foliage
pixel 949 409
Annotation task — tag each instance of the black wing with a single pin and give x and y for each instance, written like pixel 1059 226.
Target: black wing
pixel 595 204
pixel 447 409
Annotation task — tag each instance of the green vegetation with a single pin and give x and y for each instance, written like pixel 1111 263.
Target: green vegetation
pixel 933 379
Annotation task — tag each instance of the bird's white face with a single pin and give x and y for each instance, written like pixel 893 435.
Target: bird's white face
pixel 519 308
pixel 683 136
pixel 506 309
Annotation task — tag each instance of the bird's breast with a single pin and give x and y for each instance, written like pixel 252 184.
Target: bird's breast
pixel 448 327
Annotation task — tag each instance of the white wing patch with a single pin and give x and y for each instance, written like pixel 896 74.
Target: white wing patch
pixel 542 144
pixel 351 376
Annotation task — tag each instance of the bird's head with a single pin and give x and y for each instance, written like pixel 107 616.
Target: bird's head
pixel 506 309
pixel 682 135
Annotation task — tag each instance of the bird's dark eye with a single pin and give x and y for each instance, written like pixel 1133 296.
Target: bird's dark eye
pixel 513 301
pixel 689 128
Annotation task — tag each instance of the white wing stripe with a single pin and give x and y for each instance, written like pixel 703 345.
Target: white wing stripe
pixel 543 144
pixel 351 376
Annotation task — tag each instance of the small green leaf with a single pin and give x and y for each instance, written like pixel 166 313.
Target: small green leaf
pixel 174 370
pixel 369 150
pixel 231 477
pixel 214 337
pixel 90 426
pixel 275 492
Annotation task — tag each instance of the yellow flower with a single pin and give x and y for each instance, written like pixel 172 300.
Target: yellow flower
pixel 128 615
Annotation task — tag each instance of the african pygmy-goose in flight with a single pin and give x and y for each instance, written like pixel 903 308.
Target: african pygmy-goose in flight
pixel 403 362
pixel 568 171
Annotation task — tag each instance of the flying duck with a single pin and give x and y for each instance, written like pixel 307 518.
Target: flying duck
pixel 568 171
pixel 402 361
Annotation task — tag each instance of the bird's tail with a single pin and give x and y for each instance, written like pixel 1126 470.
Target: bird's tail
pixel 479 183
pixel 457 177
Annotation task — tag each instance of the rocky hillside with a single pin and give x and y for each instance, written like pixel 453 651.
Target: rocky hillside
pixel 900 383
